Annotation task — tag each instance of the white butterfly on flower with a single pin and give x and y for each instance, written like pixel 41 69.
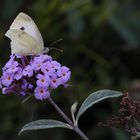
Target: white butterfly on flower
pixel 25 37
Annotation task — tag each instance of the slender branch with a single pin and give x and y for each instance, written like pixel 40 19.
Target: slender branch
pixel 75 127
pixel 60 111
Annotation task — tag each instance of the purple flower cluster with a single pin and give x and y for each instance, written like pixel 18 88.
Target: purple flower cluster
pixel 36 75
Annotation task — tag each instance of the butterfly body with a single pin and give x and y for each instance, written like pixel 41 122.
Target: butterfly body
pixel 25 36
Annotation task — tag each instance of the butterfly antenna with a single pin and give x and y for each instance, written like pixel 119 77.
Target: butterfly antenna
pixel 55 42
pixel 53 48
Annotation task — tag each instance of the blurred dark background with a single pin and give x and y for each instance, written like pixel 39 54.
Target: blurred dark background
pixel 101 46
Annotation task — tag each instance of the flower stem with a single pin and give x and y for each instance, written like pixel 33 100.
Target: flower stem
pixel 75 127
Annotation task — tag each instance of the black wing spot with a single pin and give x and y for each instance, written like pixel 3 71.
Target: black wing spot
pixel 22 28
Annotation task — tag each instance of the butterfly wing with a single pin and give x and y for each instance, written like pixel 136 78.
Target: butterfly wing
pixel 24 33
pixel 23 43
pixel 25 23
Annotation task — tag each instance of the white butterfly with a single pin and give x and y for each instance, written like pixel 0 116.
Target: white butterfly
pixel 25 36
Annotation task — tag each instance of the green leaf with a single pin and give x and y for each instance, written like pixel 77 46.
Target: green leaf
pixel 73 110
pixel 95 98
pixel 43 124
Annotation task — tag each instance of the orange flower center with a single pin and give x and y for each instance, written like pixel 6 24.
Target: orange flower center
pixel 54 81
pixel 63 74
pixel 42 80
pixel 38 65
pixel 9 78
pixel 41 91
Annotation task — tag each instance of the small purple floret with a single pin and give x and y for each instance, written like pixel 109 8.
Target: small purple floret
pixel 64 73
pixel 43 80
pixel 7 79
pixel 41 93
pixel 27 71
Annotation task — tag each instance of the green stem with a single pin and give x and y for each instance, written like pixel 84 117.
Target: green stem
pixel 75 127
